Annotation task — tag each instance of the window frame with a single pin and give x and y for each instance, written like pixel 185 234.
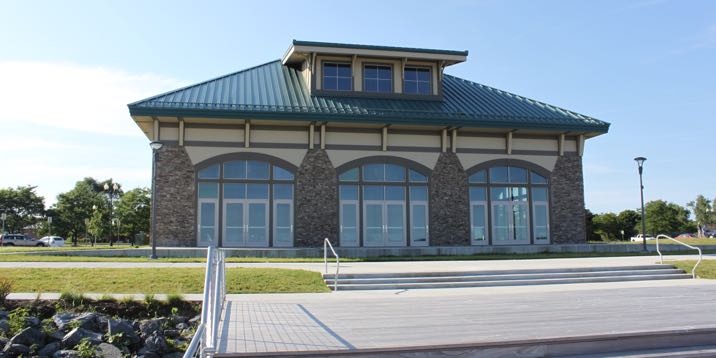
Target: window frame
pixel 323 76
pixel 378 64
pixel 430 81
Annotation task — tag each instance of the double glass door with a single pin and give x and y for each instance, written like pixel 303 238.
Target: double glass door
pixel 246 223
pixel 384 223
pixel 208 222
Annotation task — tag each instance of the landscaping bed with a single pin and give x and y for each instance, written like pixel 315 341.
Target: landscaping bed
pixel 75 326
pixel 706 269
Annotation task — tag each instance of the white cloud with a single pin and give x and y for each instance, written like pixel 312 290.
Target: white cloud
pixel 90 99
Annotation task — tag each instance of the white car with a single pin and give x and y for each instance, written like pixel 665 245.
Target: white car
pixel 53 241
pixel 639 238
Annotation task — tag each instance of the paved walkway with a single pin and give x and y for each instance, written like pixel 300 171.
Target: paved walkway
pixel 350 320
pixel 392 266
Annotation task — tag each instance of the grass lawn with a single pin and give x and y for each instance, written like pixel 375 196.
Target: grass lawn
pixel 160 280
pixel 694 241
pixel 706 269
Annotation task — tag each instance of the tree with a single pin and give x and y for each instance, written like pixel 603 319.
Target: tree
pixel 607 226
pixel 133 212
pixel 22 205
pixel 97 226
pixel 665 218
pixel 703 213
pixel 74 206
pixel 589 226
pixel 627 222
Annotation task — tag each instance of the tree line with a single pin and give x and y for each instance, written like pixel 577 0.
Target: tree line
pixel 82 212
pixel 662 217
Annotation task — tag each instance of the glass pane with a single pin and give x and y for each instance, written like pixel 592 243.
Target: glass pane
pixel 329 69
pixel 349 192
pixel 394 173
pixel 539 194
pixel 344 84
pixel 394 193
pixel 500 193
pixel 208 234
pixel 283 215
pixel 257 170
pixel 385 72
pixel 234 236
pixel 257 191
pixel 519 194
pixel 424 74
pixel 210 172
pixel 518 175
pixel 329 83
pixel 234 215
pixel 498 175
pixel 374 172
pixel 349 175
pixel 370 72
pixel 349 224
pixel 385 86
pixel 423 88
pixel 283 191
pixel 395 223
pixel 235 169
pixel 479 177
pixel 540 215
pixel 208 190
pixel 478 222
pixel 343 70
pixel 257 223
pixel 419 193
pixel 410 74
pixel 370 85
pixel 281 174
pixel 417 177
pixel 373 224
pixel 478 194
pixel 538 179
pixel 521 223
pixel 419 230
pixel 234 191
pixel 373 192
pixel 410 87
pixel 501 222
pixel 208 214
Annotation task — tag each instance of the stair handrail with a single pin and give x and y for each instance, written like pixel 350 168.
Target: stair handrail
pixel 661 257
pixel 326 245
pixel 203 343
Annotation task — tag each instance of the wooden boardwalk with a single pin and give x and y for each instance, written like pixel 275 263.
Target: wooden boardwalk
pixel 355 320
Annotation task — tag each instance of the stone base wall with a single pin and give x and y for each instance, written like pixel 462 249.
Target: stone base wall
pixel 316 201
pixel 567 206
pixel 176 202
pixel 449 203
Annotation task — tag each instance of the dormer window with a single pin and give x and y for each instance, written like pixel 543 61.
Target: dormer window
pixel 378 78
pixel 416 80
pixel 337 76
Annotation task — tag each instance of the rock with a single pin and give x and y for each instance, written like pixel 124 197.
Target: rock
pixel 181 326
pixel 56 336
pixel 33 322
pixel 156 343
pixel 49 349
pixel 14 350
pixel 66 354
pixel 87 320
pixel 103 322
pixel 178 319
pixel 3 342
pixel 74 337
pixel 3 314
pixel 63 319
pixel 173 355
pixel 149 326
pixel 171 333
pixel 28 337
pixel 4 326
pixel 125 328
pixel 143 352
pixel 196 319
pixel 106 350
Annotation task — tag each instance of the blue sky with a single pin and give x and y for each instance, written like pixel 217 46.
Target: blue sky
pixel 68 69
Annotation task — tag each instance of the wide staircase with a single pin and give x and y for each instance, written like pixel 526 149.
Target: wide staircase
pixel 417 280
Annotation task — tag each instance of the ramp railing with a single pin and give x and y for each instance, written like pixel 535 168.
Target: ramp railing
pixel 204 342
pixel 661 257
pixel 326 245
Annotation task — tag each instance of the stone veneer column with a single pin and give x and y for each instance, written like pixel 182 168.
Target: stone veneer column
pixel 176 202
pixel 567 204
pixel 449 203
pixel 316 201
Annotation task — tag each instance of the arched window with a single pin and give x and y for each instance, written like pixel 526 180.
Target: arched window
pixel 509 204
pixel 245 203
pixel 383 203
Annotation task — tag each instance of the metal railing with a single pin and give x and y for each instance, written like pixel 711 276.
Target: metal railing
pixel 204 340
pixel 661 257
pixel 326 245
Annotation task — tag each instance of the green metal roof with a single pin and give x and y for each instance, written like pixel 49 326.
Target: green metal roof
pixel 380 48
pixel 274 91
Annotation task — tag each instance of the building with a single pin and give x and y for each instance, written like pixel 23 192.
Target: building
pixel 369 146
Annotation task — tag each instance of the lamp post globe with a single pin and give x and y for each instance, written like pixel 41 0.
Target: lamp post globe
pixel 640 163
pixel 156 146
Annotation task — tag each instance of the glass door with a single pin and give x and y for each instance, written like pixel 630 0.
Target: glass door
pixel 373 234
pixel 234 223
pixel 208 221
pixel 478 222
pixel 419 224
pixel 257 219
pixel 283 223
pixel 349 223
pixel 395 223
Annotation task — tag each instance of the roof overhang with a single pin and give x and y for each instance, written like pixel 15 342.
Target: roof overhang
pixel 299 50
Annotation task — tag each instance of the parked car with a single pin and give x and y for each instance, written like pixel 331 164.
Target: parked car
pixel 19 240
pixel 53 241
pixel 686 235
pixel 639 238
pixel 710 234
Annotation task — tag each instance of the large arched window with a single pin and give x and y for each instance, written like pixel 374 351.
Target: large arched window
pixel 245 202
pixel 383 203
pixel 509 204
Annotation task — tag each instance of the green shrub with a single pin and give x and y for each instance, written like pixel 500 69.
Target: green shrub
pixel 85 349
pixel 17 320
pixel 107 298
pixel 5 289
pixel 73 299
pixel 150 300
pixel 127 299
pixel 175 299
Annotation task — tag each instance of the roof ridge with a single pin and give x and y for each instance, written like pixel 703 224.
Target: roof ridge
pixel 148 99
pixel 523 98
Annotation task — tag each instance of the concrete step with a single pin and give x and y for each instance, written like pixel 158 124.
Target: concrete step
pixel 499 272
pixel 471 278
pixel 680 352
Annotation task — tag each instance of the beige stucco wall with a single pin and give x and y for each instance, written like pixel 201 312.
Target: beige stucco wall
pixel 215 135
pixel 413 140
pixel 353 138
pixel 340 157
pixel 168 133
pixel 481 142
pixel 469 160
pixel 199 154
pixel 570 145
pixel 299 136
pixel 535 144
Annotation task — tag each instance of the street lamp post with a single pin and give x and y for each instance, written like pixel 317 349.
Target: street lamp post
pixel 155 147
pixel 49 226
pixel 111 191
pixel 640 162
pixel 94 238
